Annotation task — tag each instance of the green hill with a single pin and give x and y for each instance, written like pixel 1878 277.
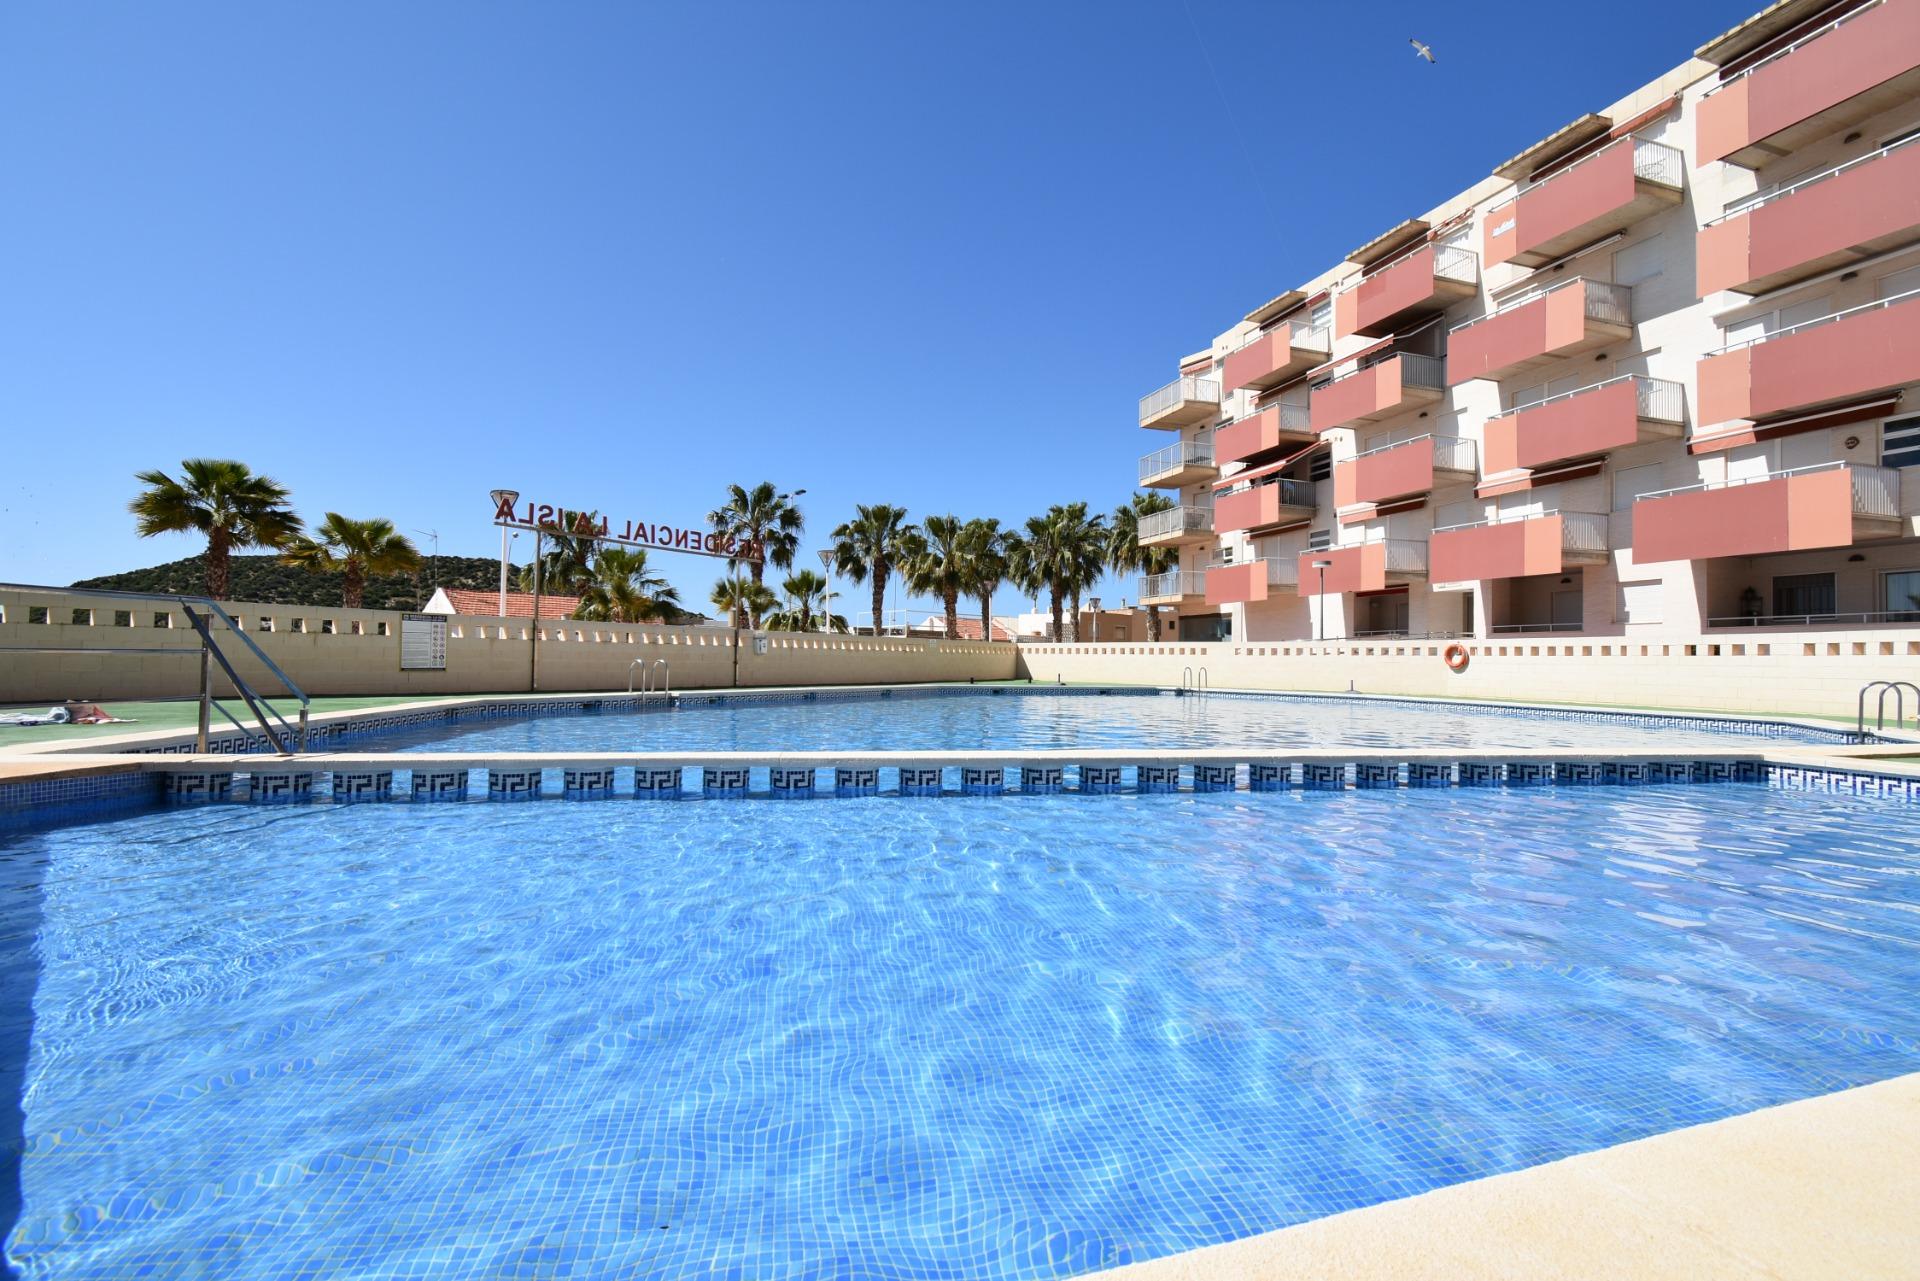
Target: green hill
pixel 266 580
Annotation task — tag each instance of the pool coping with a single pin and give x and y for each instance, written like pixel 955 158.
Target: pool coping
pixel 1815 1188
pixel 173 740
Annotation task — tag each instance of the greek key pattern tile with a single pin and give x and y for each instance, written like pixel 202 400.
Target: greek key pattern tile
pixel 1157 778
pixel 1100 778
pixel 725 783
pixel 976 781
pixel 439 785
pixel 1376 774
pixel 914 781
pixel 791 784
pixel 1529 773
pixel 187 789
pixel 281 787
pixel 658 783
pixel 1213 778
pixel 1323 777
pixel 362 785
pixel 1429 774
pixel 866 782
pixel 588 784
pixel 1269 778
pixel 513 784
pixel 1042 778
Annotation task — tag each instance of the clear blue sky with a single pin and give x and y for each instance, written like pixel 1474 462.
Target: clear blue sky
pixel 620 254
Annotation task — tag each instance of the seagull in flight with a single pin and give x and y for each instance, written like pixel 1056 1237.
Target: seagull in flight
pixel 1420 50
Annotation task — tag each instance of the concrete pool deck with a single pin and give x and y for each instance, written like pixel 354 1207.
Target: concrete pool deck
pixel 1821 1188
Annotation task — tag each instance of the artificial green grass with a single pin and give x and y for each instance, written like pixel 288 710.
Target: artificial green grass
pixel 177 714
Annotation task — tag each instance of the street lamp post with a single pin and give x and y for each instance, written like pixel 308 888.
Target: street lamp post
pixel 826 563
pixel 1320 619
pixel 503 498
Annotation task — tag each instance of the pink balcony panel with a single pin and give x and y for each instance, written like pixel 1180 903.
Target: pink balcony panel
pixel 1870 350
pixel 1411 289
pixel 1392 386
pixel 1602 194
pixel 1563 321
pixel 1253 438
pixel 1863 210
pixel 1275 357
pixel 1596 421
pixel 1237 584
pixel 1263 506
pixel 1385 474
pixel 1362 568
pixel 1514 549
pixel 1860 67
pixel 1787 514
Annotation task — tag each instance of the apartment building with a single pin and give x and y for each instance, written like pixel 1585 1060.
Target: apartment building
pixel 1656 373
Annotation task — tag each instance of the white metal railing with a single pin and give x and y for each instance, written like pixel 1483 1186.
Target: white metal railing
pixel 1292 417
pixel 1174 521
pixel 1186 453
pixel 1184 388
pixel 1652 162
pixel 1660 399
pixel 1803 41
pixel 1406 555
pixel 1450 453
pixel 1450 262
pixel 1609 303
pixel 1876 489
pixel 1579 531
pixel 1293 493
pixel 1302 332
pixel 1281 571
pixel 1416 370
pixel 1747 204
pixel 1178 582
pixel 1910 296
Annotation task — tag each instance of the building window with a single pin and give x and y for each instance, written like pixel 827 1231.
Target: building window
pixel 1803 594
pixel 1320 466
pixel 1318 540
pixel 1900 442
pixel 1900 594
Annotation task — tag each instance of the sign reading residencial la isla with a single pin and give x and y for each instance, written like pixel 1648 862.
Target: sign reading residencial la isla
pixel 547 519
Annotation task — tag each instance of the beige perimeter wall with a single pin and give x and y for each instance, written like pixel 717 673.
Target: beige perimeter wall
pixel 1802 673
pixel 342 652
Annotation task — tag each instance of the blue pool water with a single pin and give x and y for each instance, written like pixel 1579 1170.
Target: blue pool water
pixel 1021 719
pixel 1018 1037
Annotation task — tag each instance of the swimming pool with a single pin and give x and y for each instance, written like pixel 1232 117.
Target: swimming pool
pixel 1018 719
pixel 1014 1037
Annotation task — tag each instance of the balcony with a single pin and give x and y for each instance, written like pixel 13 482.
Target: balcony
pixel 1852 68
pixel 1832 505
pixel 1608 191
pixel 1543 325
pixel 1262 434
pixel 1362 567
pixel 1411 288
pixel 1850 353
pixel 1579 424
pixel 1265 504
pixel 1390 384
pixel 1177 587
pixel 1517 546
pixel 1175 526
pixel 1276 355
pixel 1249 581
pixel 1402 470
pixel 1185 463
pixel 1181 403
pixel 1818 224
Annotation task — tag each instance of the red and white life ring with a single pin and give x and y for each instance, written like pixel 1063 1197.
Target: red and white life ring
pixel 1456 657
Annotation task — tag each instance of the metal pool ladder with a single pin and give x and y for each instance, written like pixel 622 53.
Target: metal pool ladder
pixel 1192 682
pixel 1894 688
pixel 646 676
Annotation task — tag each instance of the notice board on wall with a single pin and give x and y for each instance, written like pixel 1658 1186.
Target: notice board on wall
pixel 423 643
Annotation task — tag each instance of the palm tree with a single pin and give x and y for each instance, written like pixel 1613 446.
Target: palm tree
pixel 223 500
pixel 744 599
pixel 871 546
pixel 353 549
pixel 566 565
pixel 624 590
pixel 1127 556
pixel 983 566
pixel 761 515
pixel 939 566
pixel 1034 563
pixel 1084 545
pixel 805 605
